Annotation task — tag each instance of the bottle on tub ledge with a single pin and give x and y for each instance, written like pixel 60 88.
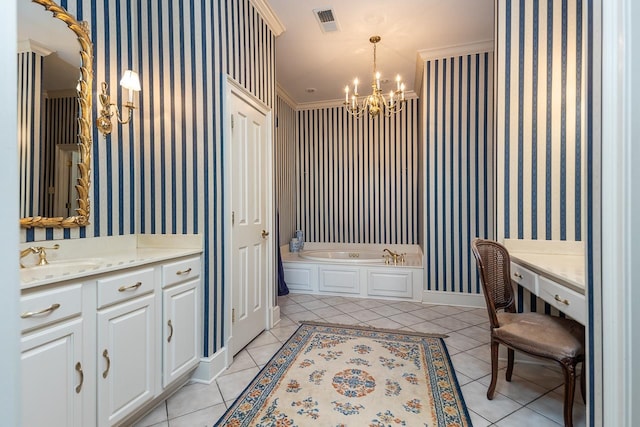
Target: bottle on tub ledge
pixel 299 234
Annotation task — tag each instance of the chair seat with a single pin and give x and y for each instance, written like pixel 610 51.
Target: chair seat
pixel 541 335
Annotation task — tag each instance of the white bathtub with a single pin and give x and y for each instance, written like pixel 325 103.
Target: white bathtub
pixel 350 257
pixel 354 270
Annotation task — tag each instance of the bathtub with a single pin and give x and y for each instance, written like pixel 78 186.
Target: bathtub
pixel 339 256
pixel 354 270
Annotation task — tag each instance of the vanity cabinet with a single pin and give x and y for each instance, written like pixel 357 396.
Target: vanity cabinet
pixel 103 351
pixel 180 318
pixel 126 358
pixel 51 357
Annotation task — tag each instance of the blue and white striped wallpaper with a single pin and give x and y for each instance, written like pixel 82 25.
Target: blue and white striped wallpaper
pixel 30 65
pixel 358 178
pixel 163 172
pixel 541 118
pixel 59 126
pixel 285 168
pixel 458 109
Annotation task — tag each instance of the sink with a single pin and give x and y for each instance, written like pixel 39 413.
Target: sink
pixel 59 268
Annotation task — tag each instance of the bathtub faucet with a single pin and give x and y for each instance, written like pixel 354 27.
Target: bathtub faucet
pixel 394 255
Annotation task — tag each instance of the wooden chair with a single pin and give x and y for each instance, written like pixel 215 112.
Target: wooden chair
pixel 540 335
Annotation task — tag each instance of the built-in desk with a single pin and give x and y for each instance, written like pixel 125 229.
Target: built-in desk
pixel 552 270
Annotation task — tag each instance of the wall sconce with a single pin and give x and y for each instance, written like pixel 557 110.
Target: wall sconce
pixel 129 81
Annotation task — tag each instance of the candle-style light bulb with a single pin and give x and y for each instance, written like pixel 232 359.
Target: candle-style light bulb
pixel 355 86
pixel 353 101
pixel 346 94
pixel 402 91
pixel 398 82
pixel 391 98
pixel 378 80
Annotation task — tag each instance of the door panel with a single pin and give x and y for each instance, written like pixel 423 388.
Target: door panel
pixel 249 254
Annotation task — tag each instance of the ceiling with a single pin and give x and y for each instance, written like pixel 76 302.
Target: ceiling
pixel 308 58
pixel 38 26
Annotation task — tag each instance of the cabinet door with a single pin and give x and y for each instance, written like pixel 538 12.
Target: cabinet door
pixel 180 321
pixel 52 376
pixel 126 358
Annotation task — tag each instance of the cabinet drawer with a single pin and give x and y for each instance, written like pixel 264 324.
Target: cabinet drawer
pixel 564 299
pixel 180 271
pixel 45 307
pixel 525 278
pixel 124 286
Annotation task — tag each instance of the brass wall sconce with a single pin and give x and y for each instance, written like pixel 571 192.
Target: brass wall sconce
pixel 129 81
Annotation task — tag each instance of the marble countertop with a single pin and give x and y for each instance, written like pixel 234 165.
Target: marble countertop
pixel 79 258
pixel 562 262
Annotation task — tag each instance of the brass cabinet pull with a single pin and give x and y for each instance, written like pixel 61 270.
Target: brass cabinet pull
pixel 563 301
pixel 105 354
pixel 48 310
pixel 517 275
pixel 79 370
pixel 130 287
pixel 170 330
pixel 265 233
pixel 181 272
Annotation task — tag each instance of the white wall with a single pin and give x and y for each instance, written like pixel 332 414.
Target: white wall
pixel 621 212
pixel 9 320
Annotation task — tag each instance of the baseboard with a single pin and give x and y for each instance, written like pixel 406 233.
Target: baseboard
pixel 274 316
pixel 453 298
pixel 210 367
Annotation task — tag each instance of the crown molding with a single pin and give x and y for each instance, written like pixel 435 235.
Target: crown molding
pixel 285 96
pixel 264 9
pixel 29 45
pixel 456 50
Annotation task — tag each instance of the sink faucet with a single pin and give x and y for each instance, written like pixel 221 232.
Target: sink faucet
pixel 40 250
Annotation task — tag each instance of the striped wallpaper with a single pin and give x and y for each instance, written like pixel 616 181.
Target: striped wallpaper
pixel 59 126
pixel 285 168
pixel 30 65
pixel 458 165
pixel 541 118
pixel 358 178
pixel 163 172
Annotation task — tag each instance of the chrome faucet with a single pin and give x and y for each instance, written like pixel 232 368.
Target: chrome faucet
pixel 40 250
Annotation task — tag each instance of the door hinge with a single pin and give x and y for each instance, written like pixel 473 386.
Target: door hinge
pixel 233 218
pixel 233 315
pixel 232 122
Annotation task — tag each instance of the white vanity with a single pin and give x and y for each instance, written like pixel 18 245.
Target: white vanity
pixel 110 327
pixel 553 270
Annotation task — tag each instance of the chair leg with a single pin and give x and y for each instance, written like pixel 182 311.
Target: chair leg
pixel 510 355
pixel 494 369
pixel 569 371
pixel 583 388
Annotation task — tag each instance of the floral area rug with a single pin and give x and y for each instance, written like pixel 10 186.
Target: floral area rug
pixel 335 375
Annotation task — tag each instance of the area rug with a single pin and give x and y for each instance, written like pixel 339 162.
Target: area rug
pixel 337 375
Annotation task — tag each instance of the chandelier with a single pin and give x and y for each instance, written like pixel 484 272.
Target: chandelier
pixel 375 103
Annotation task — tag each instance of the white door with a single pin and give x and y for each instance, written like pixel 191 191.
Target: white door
pixel 249 222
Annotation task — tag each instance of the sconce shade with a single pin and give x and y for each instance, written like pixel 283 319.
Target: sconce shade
pixel 130 81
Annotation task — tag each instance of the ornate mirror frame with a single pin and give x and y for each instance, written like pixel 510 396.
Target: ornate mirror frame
pixel 85 83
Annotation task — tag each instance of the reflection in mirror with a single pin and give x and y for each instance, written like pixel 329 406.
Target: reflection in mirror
pixel 54 107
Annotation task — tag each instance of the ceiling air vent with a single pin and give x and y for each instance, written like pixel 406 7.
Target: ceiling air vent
pixel 326 19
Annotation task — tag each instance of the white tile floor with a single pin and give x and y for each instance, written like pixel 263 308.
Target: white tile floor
pixel 533 398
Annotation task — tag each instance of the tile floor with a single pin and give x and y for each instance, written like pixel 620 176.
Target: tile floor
pixel 533 398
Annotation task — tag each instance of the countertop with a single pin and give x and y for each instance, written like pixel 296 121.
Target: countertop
pixel 79 258
pixel 560 261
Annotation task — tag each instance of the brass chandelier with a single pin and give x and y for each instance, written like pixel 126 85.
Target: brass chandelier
pixel 375 103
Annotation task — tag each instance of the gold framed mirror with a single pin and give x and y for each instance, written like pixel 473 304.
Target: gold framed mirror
pixel 78 213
